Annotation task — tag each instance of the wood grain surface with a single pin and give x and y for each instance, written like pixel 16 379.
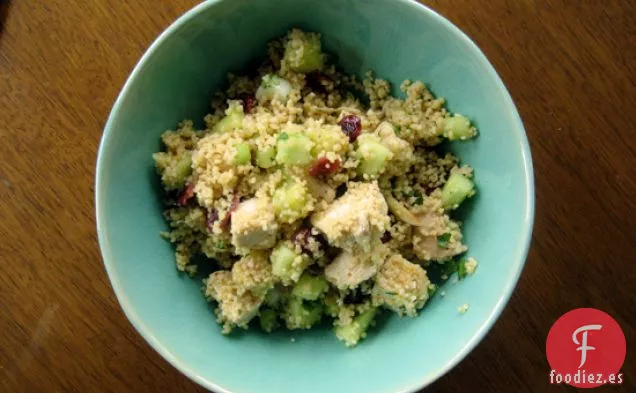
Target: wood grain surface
pixel 569 65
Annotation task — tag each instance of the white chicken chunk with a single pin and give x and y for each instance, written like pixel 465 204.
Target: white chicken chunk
pixel 236 307
pixel 254 225
pixel 401 286
pixel 348 270
pixel 356 220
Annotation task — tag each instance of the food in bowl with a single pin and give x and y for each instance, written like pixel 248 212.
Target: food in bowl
pixel 314 195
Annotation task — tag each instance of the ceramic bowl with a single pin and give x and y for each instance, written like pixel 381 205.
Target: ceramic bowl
pixel 175 79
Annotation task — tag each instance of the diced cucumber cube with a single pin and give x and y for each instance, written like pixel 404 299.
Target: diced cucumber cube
pixel 233 118
pixel 274 297
pixel 356 330
pixel 243 154
pixel 293 149
pixel 183 169
pixel 266 158
pixel 373 155
pixel 303 52
pixel 286 264
pixel 302 315
pixel 310 287
pixel 273 87
pixel 268 320
pixel 457 188
pixel 290 200
pixel 458 127
pixel 328 138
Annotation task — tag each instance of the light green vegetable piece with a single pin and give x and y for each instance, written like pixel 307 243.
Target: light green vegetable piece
pixel 310 287
pixel 183 169
pixel 328 138
pixel 356 330
pixel 457 188
pixel 273 87
pixel 243 154
pixel 268 320
pixel 290 201
pixel 286 264
pixel 293 149
pixel 303 52
pixel 373 155
pixel 233 118
pixel 266 158
pixel 301 315
pixel 458 127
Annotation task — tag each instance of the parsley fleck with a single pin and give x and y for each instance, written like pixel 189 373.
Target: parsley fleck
pixel 390 293
pixel 419 199
pixel 461 269
pixel 442 240
pixel 283 136
pixel 220 245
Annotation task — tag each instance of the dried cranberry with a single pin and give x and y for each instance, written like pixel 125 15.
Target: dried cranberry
pixel 386 237
pixel 213 215
pixel 249 102
pixel 186 194
pixel 351 126
pixel 225 222
pixel 323 166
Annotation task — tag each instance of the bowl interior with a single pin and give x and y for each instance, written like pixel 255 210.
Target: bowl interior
pixel 175 80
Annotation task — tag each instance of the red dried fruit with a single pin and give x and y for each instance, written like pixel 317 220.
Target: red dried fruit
pixel 351 126
pixel 249 102
pixel 186 194
pixel 322 166
pixel 225 222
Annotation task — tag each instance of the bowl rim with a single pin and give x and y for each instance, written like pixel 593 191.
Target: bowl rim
pixel 521 253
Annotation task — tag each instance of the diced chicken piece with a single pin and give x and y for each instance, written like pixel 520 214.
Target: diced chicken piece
pixel 236 307
pixel 254 225
pixel 348 270
pixel 253 273
pixel 427 247
pixel 356 220
pixel 401 286
pixel 435 236
pixel 439 241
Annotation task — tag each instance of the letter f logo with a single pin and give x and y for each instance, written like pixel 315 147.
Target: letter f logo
pixel 584 347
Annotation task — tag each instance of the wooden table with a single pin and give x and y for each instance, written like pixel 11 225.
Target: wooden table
pixel 570 66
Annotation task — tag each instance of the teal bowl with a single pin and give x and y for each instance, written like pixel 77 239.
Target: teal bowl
pixel 175 79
